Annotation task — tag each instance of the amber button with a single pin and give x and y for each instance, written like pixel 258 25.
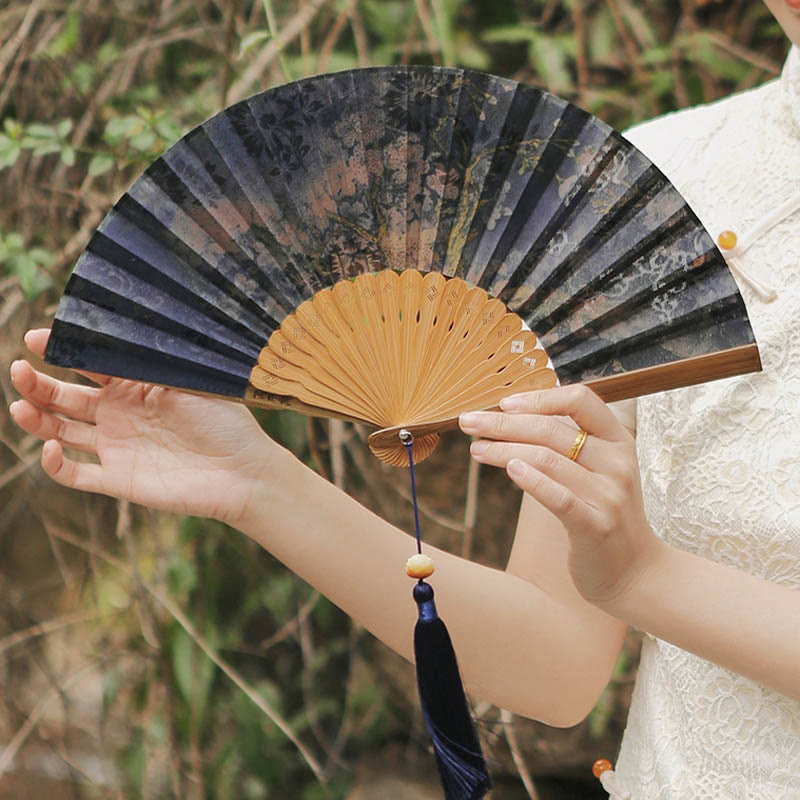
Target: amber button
pixel 727 240
pixel 600 766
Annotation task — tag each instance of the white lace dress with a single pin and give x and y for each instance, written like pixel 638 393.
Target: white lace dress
pixel 721 462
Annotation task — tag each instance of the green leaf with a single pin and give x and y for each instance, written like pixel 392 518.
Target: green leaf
pixel 661 83
pixel 41 131
pixel 602 38
pixel 14 241
pixel 167 130
pixel 656 55
pixel 253 38
pixel 45 148
pixel 549 58
pixel 639 24
pixel 112 683
pixel 109 51
pixel 64 43
pixel 510 33
pixel 389 20
pixel 100 163
pixel 600 715
pixel 193 670
pixel 143 141
pixel 41 256
pixel 9 153
pixel 31 279
pixel 181 575
pixel 64 127
pixel 118 128
pixel 68 155
pixel 82 76
pixel 471 54
pixel 12 127
pixel 146 93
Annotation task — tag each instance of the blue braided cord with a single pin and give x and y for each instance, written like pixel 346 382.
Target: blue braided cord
pixel 409 447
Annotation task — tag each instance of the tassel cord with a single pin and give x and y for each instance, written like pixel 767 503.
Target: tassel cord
pixel 408 440
pixel 461 765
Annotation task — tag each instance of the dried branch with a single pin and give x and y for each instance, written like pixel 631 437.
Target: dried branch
pixel 342 735
pixel 359 34
pixel 336 437
pixel 744 53
pixel 305 43
pixel 200 641
pixel 15 300
pixel 427 27
pixel 519 762
pixel 331 39
pixel 259 65
pixel 16 41
pixel 50 626
pixel 628 42
pixel 375 478
pixel 471 508
pixel 143 611
pixel 33 718
pixel 291 626
pixel 70 251
pixel 313 446
pixel 305 637
pixel 13 473
pixel 445 34
pixel 580 47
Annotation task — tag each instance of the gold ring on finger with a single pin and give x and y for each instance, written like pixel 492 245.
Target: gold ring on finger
pixel 577 445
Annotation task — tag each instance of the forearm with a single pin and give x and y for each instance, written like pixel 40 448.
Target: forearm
pixel 724 615
pixel 517 646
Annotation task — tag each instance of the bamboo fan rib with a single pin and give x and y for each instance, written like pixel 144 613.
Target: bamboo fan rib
pixel 310 247
pixel 453 349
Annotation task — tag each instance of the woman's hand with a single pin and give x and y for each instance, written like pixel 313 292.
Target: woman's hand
pixel 597 496
pixel 159 447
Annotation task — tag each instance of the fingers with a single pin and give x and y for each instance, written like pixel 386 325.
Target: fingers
pixel 576 401
pixel 573 512
pixel 75 475
pixel 59 397
pixel 570 475
pixel 36 341
pixel 77 435
pixel 526 429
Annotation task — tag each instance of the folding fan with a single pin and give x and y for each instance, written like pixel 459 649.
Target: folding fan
pixel 396 246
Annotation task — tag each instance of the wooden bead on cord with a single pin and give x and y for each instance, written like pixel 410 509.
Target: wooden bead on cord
pixel 419 566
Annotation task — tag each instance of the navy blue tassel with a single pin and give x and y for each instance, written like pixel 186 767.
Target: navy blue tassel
pixel 462 767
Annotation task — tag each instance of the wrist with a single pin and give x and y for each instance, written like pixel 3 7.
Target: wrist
pixel 647 572
pixel 264 478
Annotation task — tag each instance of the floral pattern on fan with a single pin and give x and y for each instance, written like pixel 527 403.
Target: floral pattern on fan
pixel 475 177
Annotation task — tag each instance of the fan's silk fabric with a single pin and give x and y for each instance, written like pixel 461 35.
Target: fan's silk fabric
pixel 720 467
pixel 291 190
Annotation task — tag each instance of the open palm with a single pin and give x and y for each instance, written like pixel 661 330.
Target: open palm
pixel 159 447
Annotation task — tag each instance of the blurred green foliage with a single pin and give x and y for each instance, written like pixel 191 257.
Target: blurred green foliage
pixel 92 92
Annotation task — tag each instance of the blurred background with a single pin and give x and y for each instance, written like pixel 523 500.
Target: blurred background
pixel 144 655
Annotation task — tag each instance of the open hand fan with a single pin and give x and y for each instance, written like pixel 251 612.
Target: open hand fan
pixel 375 245
pixel 396 246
